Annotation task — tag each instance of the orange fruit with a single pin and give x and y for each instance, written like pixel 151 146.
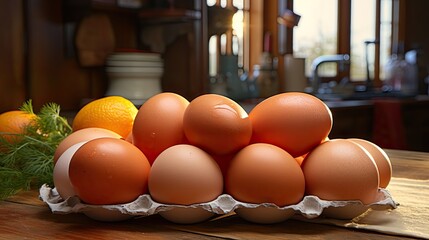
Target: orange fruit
pixel 114 113
pixel 14 122
pixel 294 121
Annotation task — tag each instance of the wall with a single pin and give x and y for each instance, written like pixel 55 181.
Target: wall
pixel 12 84
pixel 416 30
pixel 33 64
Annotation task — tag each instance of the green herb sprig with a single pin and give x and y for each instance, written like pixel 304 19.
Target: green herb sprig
pixel 28 163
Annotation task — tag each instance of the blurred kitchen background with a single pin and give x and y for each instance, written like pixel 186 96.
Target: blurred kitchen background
pixel 367 59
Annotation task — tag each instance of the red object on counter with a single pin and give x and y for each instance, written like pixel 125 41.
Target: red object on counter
pixel 267 42
pixel 388 129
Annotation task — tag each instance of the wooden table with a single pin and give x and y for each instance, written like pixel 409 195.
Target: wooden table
pixel 24 216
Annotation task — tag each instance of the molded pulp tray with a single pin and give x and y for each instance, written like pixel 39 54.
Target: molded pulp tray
pixel 310 207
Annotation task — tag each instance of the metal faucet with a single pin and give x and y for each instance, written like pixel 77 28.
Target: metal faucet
pixel 341 59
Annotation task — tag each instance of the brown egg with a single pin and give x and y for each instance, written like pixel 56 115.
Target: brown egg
pixel 381 160
pixel 217 124
pixel 223 161
pixel 60 174
pixel 82 135
pixel 294 121
pixel 184 174
pixel 108 171
pixel 341 170
pixel 159 124
pixel 264 173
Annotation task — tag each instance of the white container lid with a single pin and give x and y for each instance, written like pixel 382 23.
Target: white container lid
pixel 134 72
pixel 134 69
pixel 136 56
pixel 126 63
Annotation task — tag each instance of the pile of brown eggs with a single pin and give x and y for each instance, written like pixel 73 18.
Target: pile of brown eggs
pixel 185 153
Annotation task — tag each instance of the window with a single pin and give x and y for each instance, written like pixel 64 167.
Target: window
pixel 316 33
pixel 320 29
pixel 368 41
pixel 362 38
pixel 386 33
pixel 225 44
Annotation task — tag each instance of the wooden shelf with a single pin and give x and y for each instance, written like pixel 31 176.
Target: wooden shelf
pixel 75 10
pixel 169 15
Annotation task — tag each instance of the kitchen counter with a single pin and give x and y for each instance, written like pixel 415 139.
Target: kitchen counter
pixel 25 216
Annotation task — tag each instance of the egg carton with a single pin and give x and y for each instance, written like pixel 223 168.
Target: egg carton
pixel 310 207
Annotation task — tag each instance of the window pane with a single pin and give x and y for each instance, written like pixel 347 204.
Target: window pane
pixel 316 33
pixel 217 44
pixel 385 34
pixel 213 55
pixel 211 2
pixel 362 29
pixel 238 31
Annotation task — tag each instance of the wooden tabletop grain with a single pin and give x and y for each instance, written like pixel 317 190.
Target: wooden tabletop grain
pixel 25 216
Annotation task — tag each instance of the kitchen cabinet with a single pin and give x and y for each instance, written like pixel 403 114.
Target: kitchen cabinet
pixel 352 119
pixel 390 123
pixel 416 119
pixel 178 32
pixel 33 62
pixel 12 61
pixel 39 59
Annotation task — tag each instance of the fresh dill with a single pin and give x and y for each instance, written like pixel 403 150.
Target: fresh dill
pixel 28 163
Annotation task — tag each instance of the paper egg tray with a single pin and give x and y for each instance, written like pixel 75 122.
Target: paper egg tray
pixel 310 207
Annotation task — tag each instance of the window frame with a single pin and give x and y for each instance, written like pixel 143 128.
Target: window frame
pixel 285 37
